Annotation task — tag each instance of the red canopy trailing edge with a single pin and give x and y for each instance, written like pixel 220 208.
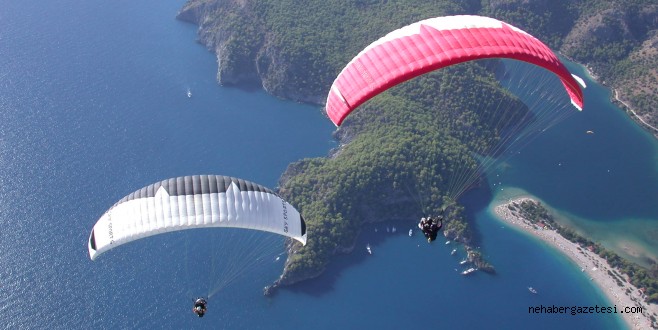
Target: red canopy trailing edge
pixel 432 44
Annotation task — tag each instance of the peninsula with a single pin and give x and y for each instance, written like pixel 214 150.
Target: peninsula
pixel 385 161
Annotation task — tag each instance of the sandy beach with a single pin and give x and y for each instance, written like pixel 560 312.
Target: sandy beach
pixel 596 268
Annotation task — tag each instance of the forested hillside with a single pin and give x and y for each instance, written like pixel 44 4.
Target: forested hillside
pixel 406 142
pixel 294 49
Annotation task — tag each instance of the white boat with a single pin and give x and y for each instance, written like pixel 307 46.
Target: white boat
pixel 369 249
pixel 189 93
pixel 463 261
pixel 394 229
pixel 468 271
pixel 411 232
pixel 447 242
pixel 453 252
pixel 532 290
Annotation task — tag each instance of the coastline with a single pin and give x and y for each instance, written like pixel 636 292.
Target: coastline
pixel 596 268
pixel 615 99
pixel 628 107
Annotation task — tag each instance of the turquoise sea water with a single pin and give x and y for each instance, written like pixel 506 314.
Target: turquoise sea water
pixel 93 105
pixel 604 184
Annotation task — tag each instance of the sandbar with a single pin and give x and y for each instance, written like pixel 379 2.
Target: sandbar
pixel 591 264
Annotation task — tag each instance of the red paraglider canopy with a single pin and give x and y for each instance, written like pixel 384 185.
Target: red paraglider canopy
pixel 433 44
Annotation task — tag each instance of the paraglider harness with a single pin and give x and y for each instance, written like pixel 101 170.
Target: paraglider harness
pixel 431 226
pixel 200 307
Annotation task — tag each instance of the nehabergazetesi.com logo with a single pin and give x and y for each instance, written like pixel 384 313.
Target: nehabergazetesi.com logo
pixel 573 310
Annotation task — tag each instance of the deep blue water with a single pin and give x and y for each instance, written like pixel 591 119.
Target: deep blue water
pixel 604 184
pixel 93 105
pixel 616 165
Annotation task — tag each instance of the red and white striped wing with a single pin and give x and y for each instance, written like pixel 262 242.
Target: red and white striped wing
pixel 433 44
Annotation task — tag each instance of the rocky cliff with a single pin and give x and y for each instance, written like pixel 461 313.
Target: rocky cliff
pixel 270 44
pixel 247 53
pixel 294 50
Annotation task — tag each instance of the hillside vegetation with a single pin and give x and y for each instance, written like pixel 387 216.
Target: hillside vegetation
pixel 294 49
pixel 397 151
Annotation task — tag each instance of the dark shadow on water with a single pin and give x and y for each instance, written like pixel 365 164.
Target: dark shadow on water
pixel 247 86
pixel 474 201
pixel 325 283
